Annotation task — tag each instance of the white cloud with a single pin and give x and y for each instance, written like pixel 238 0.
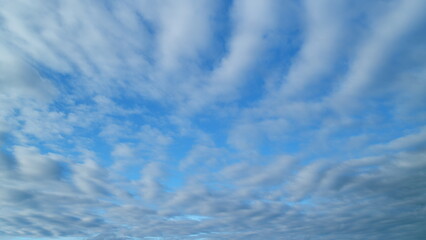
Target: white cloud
pixel 252 21
pixel 137 119
pixel 205 155
pixel 123 150
pixel 185 32
pixel 90 178
pixel 274 173
pixel 325 37
pixel 151 177
pixel 375 51
pixel 305 181
pixel 415 141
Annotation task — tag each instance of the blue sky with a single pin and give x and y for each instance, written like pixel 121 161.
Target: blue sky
pixel 212 120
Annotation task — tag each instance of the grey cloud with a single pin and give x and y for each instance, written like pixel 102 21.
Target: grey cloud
pixel 374 204
pixel 14 195
pixel 7 162
pixel 31 209
pixel 19 80
pixel 33 165
pixel 109 236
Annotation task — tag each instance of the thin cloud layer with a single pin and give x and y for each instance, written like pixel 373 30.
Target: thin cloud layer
pixel 212 120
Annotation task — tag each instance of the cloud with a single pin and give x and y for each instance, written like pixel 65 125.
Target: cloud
pixel 109 236
pixel 272 174
pixel 247 40
pixel 371 58
pixel 20 80
pixel 151 176
pixel 415 141
pixel 202 154
pixel 323 45
pixel 185 31
pixel 33 165
pixel 123 150
pixel 212 120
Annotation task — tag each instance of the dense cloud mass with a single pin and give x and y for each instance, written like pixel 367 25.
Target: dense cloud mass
pixel 205 120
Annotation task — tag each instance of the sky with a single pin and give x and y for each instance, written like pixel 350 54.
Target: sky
pixel 207 120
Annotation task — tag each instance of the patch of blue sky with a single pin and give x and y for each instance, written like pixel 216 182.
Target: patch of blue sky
pixel 215 125
pixel 274 147
pixel 62 79
pixel 273 64
pixel 222 25
pixel 180 147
